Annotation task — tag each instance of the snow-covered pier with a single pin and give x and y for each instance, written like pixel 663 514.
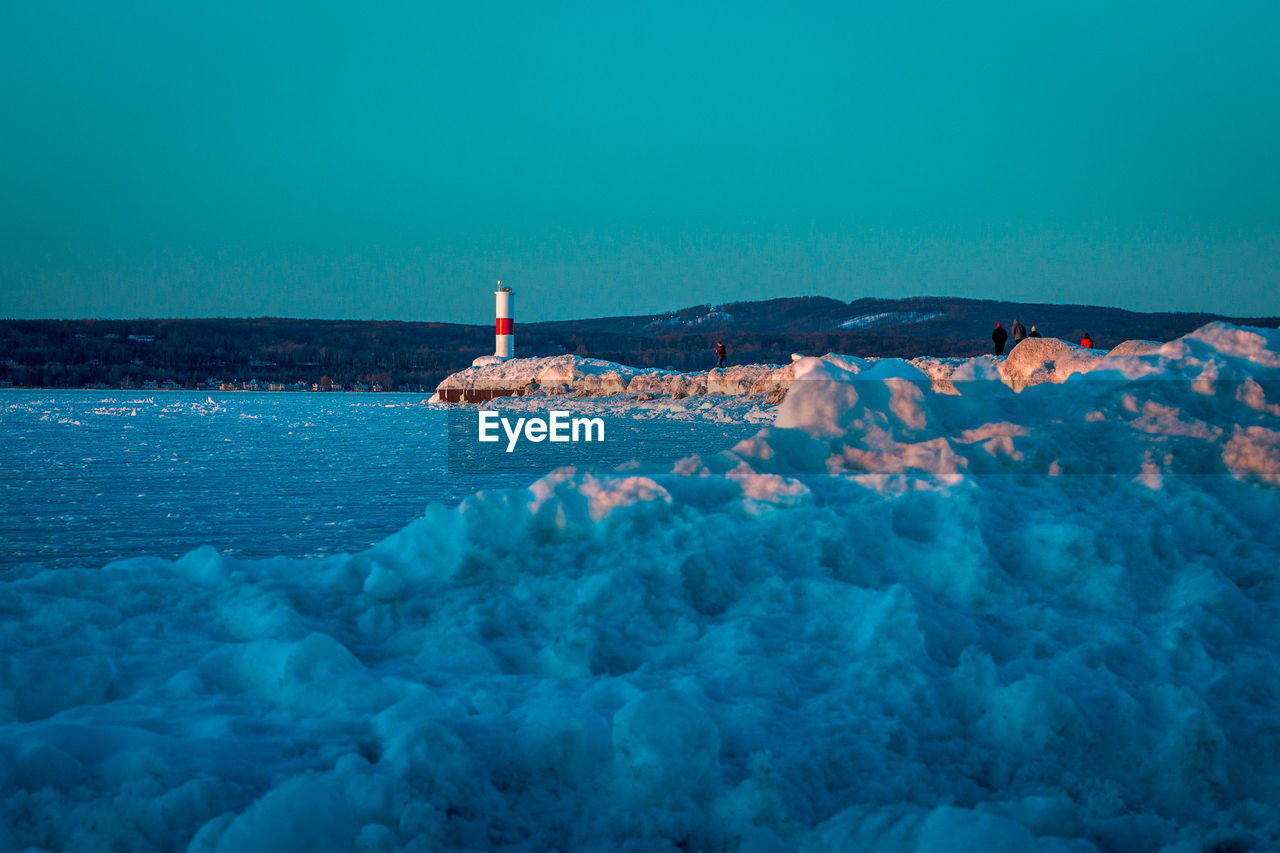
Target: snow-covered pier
pixel 590 377
pixel 1031 362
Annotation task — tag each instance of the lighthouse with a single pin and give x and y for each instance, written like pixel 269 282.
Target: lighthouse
pixel 504 338
pixel 504 341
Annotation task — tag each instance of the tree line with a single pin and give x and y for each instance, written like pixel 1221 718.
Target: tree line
pixel 395 356
pixel 409 356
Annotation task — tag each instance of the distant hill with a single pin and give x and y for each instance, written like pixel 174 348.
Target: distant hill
pixel 771 330
pixel 413 356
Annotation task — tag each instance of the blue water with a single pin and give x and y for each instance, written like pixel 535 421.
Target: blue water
pixel 87 477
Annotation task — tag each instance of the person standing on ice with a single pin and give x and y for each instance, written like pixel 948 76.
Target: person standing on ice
pixel 998 337
pixel 1018 331
pixel 720 351
pixel 1034 333
pixel 1086 341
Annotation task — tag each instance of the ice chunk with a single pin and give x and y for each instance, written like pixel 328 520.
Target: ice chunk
pixel 306 813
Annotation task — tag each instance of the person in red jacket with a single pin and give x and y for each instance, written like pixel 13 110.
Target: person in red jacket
pixel 1086 341
pixel 720 353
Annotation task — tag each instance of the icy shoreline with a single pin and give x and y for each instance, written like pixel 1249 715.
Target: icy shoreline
pixel 1031 362
pixel 894 620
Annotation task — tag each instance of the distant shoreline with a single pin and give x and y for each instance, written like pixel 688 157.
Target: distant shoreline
pixel 204 354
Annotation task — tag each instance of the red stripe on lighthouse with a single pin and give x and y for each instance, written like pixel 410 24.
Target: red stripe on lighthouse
pixel 505 326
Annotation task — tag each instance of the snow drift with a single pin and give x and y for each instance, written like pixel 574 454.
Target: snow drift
pixel 894 620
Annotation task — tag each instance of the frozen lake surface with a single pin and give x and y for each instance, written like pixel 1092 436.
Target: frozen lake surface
pixel 87 477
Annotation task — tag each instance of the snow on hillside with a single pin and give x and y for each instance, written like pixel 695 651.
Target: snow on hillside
pixel 893 620
pixel 888 318
pixel 714 316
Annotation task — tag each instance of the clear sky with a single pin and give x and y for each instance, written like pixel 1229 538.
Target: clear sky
pixel 392 160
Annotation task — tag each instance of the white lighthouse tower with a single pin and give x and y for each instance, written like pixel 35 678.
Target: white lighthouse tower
pixel 504 342
pixel 504 338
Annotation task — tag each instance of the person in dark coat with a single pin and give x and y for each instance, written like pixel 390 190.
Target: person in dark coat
pixel 998 337
pixel 720 351
pixel 1034 333
pixel 1018 331
pixel 1086 341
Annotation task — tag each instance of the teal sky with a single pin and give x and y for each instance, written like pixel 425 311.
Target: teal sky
pixel 391 160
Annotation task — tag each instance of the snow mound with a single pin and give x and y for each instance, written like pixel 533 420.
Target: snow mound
pixel 1135 348
pixel 1183 407
pixel 554 374
pixel 1258 346
pixel 894 620
pixel 735 380
pixel 1036 360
